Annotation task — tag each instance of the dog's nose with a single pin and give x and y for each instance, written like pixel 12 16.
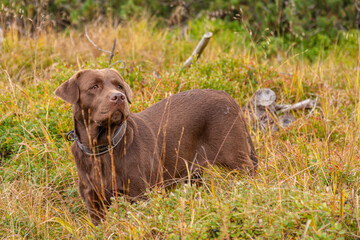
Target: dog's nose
pixel 117 97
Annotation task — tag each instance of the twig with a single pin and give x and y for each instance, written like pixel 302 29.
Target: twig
pixel 199 49
pixel 312 110
pixel 100 49
pixel 112 51
pixel 120 61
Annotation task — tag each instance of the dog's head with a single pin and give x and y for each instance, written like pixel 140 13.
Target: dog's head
pixel 100 96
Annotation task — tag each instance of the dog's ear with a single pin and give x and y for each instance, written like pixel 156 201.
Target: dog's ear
pixel 69 90
pixel 128 91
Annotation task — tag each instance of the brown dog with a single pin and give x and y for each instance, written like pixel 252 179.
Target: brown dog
pixel 118 152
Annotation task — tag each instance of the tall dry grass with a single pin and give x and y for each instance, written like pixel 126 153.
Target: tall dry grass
pixel 308 178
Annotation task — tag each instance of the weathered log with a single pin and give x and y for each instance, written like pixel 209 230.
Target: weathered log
pixel 262 110
pixel 264 97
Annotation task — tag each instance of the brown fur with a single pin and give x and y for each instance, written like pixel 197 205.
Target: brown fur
pixel 182 133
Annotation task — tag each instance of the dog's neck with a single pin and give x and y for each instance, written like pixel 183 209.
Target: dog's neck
pixel 91 134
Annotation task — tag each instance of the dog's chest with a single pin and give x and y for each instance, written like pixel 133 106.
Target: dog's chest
pixel 99 173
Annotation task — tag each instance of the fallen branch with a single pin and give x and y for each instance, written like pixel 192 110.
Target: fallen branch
pixel 199 49
pixel 306 104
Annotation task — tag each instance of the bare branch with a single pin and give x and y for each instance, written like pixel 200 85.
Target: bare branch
pixel 112 51
pixel 199 49
pixel 120 61
pixel 91 41
pixel 100 49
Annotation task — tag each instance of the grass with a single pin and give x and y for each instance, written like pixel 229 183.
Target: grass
pixel 307 185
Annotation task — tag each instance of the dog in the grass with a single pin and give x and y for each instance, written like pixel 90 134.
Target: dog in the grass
pixel 119 152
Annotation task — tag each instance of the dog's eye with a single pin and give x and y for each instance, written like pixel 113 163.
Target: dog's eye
pixel 95 86
pixel 120 87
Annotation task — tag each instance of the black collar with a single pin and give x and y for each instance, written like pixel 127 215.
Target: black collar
pixel 100 149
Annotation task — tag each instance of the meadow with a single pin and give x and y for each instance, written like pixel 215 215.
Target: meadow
pixel 307 184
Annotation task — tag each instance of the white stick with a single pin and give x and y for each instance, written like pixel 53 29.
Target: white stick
pixel 308 103
pixel 199 49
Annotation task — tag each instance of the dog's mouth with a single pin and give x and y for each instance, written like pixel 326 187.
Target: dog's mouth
pixel 113 115
pixel 117 116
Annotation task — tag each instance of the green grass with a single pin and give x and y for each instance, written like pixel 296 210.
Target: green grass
pixel 307 185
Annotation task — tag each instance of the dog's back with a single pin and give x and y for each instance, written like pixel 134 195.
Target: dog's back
pixel 198 127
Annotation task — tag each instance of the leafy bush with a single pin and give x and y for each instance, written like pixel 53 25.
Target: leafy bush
pixel 300 18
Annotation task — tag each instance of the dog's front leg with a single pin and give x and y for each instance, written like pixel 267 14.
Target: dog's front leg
pixel 95 205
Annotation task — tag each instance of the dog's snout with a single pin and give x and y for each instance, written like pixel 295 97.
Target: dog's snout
pixel 117 97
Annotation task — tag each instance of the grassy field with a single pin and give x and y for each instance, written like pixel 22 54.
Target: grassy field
pixel 307 185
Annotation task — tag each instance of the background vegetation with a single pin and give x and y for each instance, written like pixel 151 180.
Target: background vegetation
pixel 305 25
pixel 307 184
